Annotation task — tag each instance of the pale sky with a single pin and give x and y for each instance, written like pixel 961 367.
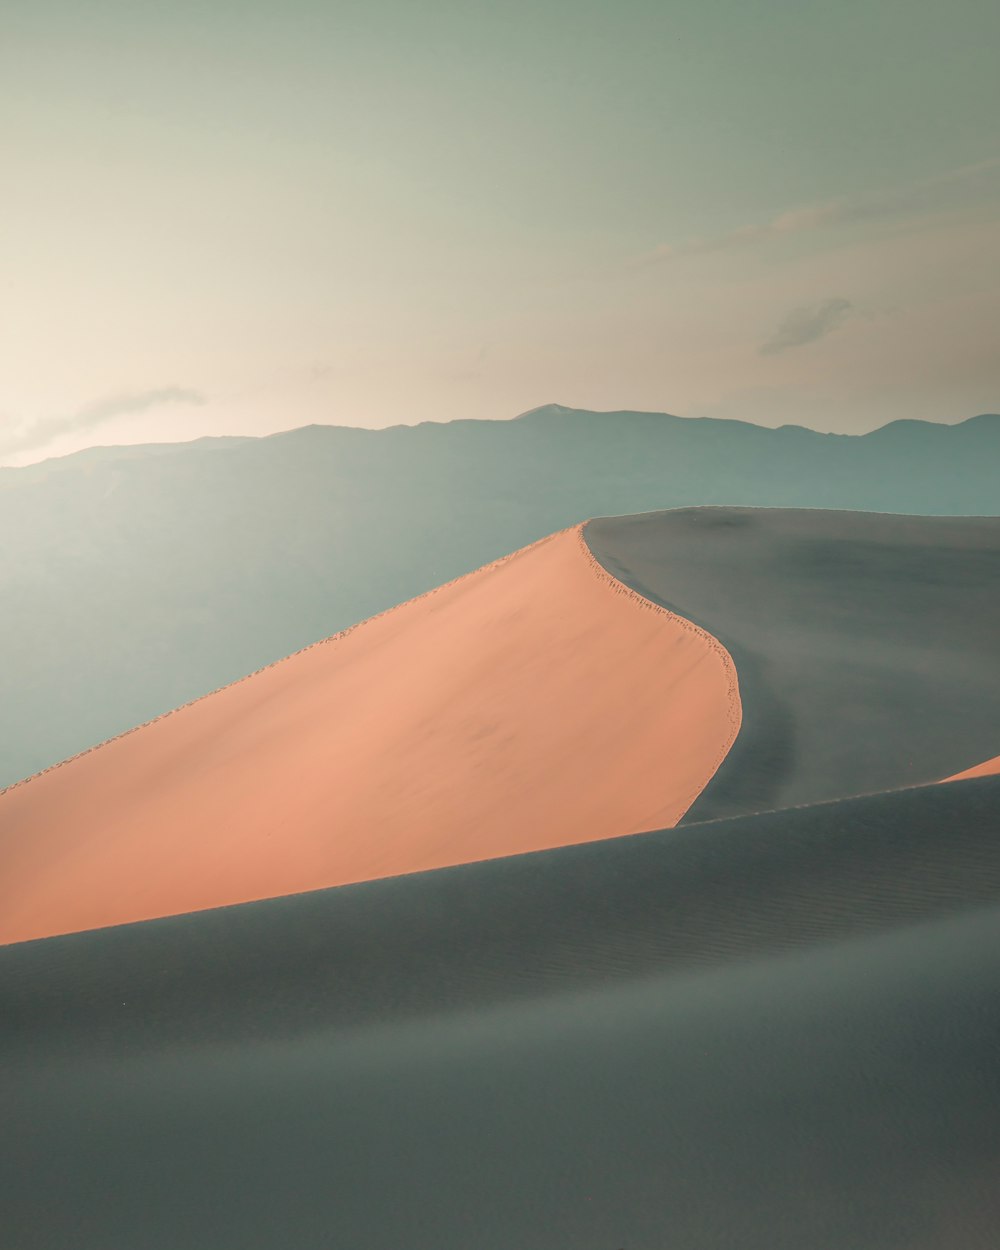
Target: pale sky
pixel 235 218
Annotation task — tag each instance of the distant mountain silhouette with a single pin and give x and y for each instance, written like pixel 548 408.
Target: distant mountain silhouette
pixel 134 579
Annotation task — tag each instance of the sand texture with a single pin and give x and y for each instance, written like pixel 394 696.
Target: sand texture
pixel 533 703
pixel 867 645
pixel 774 1032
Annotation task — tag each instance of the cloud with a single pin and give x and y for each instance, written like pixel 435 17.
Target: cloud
pixel 810 217
pixel 951 189
pixel 805 325
pixel 38 433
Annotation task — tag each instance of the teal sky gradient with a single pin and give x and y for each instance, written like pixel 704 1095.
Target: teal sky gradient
pixel 252 216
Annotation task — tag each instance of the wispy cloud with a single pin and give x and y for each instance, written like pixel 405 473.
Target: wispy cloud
pixel 944 191
pixel 37 433
pixel 805 325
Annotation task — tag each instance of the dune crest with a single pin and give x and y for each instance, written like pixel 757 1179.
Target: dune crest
pixel 866 643
pixel 536 702
pixel 988 768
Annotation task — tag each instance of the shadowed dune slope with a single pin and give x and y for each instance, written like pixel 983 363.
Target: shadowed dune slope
pixel 867 645
pixel 532 703
pixel 770 1032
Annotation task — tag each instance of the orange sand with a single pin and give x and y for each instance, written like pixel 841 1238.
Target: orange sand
pixel 986 769
pixel 534 703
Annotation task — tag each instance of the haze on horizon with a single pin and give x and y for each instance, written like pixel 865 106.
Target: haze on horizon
pixel 245 218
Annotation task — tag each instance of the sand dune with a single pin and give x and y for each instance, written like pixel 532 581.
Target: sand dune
pixel 866 644
pixel 533 703
pixel 771 1032
pixel 987 768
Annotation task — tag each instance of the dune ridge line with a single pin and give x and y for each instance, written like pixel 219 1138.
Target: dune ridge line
pixel 988 768
pixel 264 668
pixel 734 705
pixel 735 712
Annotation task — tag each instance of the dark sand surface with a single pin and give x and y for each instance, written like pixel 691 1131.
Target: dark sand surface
pixel 867 645
pixel 778 1032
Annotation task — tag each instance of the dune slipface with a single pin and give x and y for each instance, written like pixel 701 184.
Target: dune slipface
pixel 534 703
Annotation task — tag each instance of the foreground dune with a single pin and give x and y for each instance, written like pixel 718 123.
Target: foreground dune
pixel 775 1032
pixel 533 703
pixel 866 644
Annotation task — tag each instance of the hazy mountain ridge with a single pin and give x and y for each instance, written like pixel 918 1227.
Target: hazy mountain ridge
pixel 136 579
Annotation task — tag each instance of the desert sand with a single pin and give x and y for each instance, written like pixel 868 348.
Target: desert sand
pixel 987 768
pixel 533 703
pixel 866 643
pixel 773 1032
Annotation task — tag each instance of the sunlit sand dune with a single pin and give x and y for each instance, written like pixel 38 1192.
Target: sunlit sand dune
pixel 534 703
pixel 986 769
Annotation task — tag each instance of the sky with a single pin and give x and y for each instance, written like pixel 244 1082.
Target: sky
pixel 236 218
